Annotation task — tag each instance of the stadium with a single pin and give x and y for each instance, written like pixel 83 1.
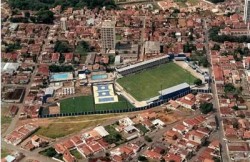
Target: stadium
pixel 161 81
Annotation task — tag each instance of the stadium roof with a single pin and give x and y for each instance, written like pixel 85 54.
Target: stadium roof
pixel 101 130
pixel 141 63
pixel 174 88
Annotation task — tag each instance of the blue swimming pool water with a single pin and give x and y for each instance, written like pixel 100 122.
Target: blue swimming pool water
pixel 99 76
pixel 60 76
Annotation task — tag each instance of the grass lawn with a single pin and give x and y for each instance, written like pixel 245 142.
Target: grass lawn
pixel 4 152
pixel 146 84
pixel 5 122
pixel 76 154
pixel 193 2
pixel 122 104
pixel 118 37
pixel 114 136
pixel 77 104
pixel 141 128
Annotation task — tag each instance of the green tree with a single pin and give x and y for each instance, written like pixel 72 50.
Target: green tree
pixel 27 14
pixel 229 88
pixel 45 16
pixel 83 47
pixel 62 47
pixel 216 47
pixel 198 82
pixel 235 107
pixel 111 59
pixel 142 158
pixel 148 139
pixel 206 107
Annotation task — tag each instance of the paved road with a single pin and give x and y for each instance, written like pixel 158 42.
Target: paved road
pixel 225 155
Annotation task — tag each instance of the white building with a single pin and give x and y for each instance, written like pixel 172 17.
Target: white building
pixel 63 23
pixel 108 35
pixel 247 11
pixel 126 122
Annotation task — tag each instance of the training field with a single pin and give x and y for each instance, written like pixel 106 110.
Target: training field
pixel 146 84
pixel 77 104
pixel 86 104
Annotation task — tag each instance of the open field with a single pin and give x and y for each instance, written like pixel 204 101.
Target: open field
pixel 77 104
pixel 4 152
pixel 86 103
pixel 5 119
pixel 146 84
pixel 60 127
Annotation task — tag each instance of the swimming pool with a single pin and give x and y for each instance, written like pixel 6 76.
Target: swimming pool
pixel 99 76
pixel 61 76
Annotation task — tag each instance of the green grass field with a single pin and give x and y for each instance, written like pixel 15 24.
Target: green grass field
pixel 146 84
pixel 122 104
pixel 77 104
pixel 86 103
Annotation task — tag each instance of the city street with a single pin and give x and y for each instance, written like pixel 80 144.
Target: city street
pixel 225 155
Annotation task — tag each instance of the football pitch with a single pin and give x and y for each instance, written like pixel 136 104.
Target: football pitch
pixel 86 104
pixel 146 84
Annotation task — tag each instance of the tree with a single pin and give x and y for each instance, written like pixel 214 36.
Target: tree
pixel 206 107
pixel 148 139
pixel 62 47
pixel 111 59
pixel 216 47
pixel 45 16
pixel 83 47
pixel 229 88
pixel 142 158
pixel 27 14
pixel 198 82
pixel 204 62
pixel 235 107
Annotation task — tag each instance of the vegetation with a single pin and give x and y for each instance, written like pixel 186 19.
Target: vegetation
pixel 114 136
pixel 216 47
pixel 4 152
pixel 45 17
pixel 229 88
pixel 82 48
pixel 198 82
pixel 62 47
pixel 12 47
pixel 187 48
pixel 238 53
pixel 5 119
pixel 148 83
pixel 61 129
pixel 120 105
pixel 142 158
pixel 206 107
pixel 216 1
pixel 235 107
pixel 76 154
pixel 201 58
pixel 50 152
pixel 111 59
pixel 46 4
pixel 141 128
pixel 148 139
pixel 77 104
pixel 62 68
pixel 42 16
pixel 213 34
pixel 86 104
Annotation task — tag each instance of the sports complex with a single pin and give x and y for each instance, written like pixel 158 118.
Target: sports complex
pixel 153 82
